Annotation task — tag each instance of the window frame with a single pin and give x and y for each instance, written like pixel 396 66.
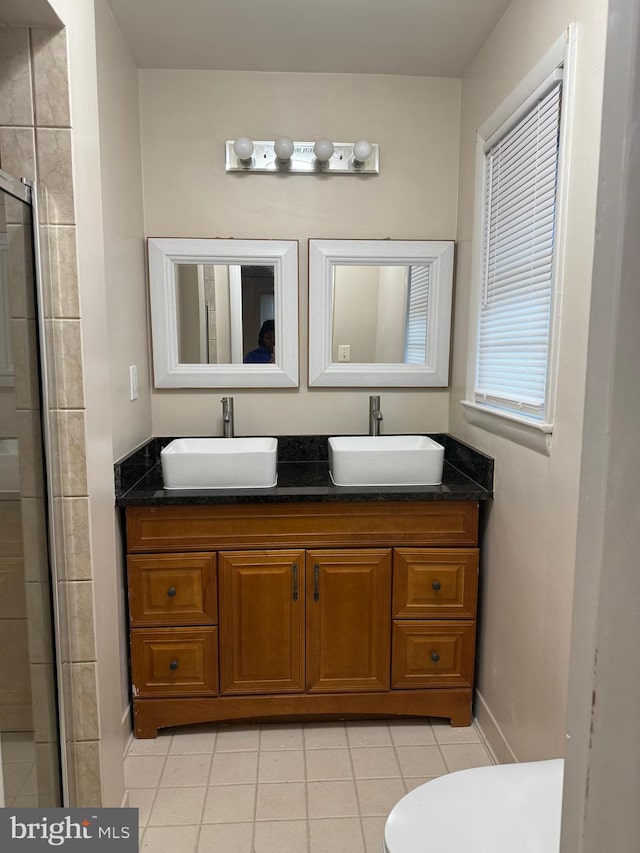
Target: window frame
pixel 534 434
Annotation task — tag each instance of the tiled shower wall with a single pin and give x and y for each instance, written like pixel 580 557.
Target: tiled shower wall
pixel 35 143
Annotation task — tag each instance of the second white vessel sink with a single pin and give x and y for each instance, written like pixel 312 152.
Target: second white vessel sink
pixel 385 460
pixel 220 463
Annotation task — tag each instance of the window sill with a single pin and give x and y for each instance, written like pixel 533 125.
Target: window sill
pixel 534 436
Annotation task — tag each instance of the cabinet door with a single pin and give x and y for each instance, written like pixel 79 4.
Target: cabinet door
pixel 348 620
pixel 261 617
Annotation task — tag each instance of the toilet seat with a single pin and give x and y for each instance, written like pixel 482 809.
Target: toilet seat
pixel 497 809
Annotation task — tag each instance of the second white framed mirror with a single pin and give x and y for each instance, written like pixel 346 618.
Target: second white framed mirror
pixel 380 312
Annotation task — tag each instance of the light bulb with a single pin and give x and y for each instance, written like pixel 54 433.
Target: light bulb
pixel 243 147
pixel 323 149
pixel 283 146
pixel 362 150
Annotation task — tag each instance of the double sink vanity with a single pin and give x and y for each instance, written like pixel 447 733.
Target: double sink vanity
pixel 302 577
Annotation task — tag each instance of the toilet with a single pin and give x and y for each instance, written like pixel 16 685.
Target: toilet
pixel 506 808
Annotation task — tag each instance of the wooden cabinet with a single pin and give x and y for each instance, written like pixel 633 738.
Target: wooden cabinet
pixel 262 622
pixel 348 610
pixel 431 586
pixel 251 611
pixel 167 591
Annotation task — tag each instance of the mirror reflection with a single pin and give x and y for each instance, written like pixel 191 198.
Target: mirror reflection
pixel 225 313
pixel 380 314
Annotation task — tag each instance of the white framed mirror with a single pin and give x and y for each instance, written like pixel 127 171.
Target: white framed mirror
pixel 224 313
pixel 380 312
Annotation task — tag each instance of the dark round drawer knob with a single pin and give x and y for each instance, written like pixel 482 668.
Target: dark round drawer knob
pixel 173 665
pixel 171 591
pixel 435 657
pixel 436 585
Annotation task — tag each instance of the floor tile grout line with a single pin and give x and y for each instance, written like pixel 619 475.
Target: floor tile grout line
pixel 255 795
pixel 355 786
pixel 306 788
pixel 395 752
pixel 206 790
pixel 442 756
pixel 462 743
pixel 155 795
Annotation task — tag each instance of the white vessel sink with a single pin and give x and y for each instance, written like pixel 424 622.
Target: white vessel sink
pixel 220 463
pixel 385 460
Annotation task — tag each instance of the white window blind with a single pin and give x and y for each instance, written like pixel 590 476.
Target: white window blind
pixel 417 315
pixel 267 307
pixel 519 228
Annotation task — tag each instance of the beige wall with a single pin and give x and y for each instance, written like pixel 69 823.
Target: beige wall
pixel 186 117
pixel 126 344
pixel 123 228
pixel 529 543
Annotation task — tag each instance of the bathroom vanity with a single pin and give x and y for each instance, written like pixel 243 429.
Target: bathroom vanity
pixel 305 599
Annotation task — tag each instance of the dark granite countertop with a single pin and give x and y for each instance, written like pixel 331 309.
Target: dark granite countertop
pixel 303 476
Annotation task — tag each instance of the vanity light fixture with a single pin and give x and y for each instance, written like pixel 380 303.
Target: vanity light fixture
pixel 323 150
pixel 284 148
pixel 243 149
pixel 304 158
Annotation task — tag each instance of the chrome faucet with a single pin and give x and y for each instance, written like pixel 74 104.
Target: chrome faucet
pixel 227 417
pixel 375 415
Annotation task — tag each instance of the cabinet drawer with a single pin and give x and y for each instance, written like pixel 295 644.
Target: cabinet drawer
pixel 173 662
pixel 172 589
pixel 432 654
pixel 307 525
pixel 441 583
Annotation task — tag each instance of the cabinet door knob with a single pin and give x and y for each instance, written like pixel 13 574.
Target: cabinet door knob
pixel 171 591
pixel 173 665
pixel 316 582
pixel 436 585
pixel 295 581
pixel 435 657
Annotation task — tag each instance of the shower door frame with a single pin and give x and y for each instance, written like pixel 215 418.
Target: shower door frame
pixel 26 191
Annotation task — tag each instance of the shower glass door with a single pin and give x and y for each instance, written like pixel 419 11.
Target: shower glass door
pixel 30 768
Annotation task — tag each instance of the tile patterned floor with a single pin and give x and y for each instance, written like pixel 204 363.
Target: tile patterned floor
pixel 307 788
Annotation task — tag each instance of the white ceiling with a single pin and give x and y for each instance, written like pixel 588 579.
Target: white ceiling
pixel 415 37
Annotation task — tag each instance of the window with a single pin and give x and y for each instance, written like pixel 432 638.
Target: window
pixel 417 316
pixel 517 257
pixel 519 201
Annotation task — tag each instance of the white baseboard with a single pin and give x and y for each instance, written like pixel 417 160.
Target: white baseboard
pixel 493 736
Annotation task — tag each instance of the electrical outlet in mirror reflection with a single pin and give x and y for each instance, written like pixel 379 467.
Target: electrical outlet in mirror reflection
pixel 344 352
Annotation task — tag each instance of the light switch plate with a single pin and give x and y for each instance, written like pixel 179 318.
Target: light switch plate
pixel 133 382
